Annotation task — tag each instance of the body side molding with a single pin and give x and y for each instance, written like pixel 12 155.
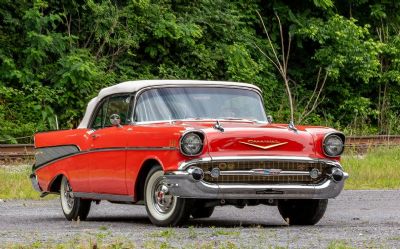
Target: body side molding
pixel 108 197
pixel 42 164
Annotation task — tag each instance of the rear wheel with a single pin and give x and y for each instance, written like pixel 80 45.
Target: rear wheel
pixel 163 208
pixel 74 208
pixel 302 212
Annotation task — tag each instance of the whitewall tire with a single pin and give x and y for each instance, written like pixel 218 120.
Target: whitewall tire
pixel 74 208
pixel 163 208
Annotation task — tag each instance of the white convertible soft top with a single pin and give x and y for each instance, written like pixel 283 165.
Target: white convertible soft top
pixel 133 86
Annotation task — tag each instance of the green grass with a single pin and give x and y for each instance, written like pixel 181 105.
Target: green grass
pixel 377 169
pixel 15 183
pixel 224 232
pixel 167 234
pixel 83 242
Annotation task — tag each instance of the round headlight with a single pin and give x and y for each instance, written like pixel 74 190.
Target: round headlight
pixel 333 145
pixel 191 144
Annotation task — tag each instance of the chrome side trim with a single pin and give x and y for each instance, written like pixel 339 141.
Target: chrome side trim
pixel 132 148
pixel 185 165
pixel 39 166
pixel 108 197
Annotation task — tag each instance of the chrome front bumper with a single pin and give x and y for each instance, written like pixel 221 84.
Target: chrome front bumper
pixel 182 184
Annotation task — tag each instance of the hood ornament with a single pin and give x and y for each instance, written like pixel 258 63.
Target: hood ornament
pixel 218 126
pixel 264 147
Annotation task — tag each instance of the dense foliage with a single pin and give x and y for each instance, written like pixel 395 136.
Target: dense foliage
pixel 343 65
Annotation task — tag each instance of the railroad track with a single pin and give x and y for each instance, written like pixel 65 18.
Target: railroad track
pixel 16 153
pixel 383 140
pixel 360 144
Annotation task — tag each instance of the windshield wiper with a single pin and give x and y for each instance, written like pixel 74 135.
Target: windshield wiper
pixel 232 118
pixel 235 118
pixel 243 119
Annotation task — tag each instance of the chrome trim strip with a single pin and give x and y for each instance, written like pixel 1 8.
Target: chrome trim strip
pixel 187 164
pixel 256 172
pixel 36 167
pixel 264 147
pixel 109 197
pixel 132 148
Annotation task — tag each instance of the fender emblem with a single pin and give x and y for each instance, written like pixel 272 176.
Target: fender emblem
pixel 264 147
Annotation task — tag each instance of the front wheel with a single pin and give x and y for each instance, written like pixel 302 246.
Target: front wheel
pixel 163 208
pixel 200 211
pixel 302 212
pixel 74 208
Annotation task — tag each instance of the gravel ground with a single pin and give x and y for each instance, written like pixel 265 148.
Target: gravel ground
pixel 358 218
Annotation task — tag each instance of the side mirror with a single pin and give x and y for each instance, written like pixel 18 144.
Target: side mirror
pixel 269 119
pixel 115 120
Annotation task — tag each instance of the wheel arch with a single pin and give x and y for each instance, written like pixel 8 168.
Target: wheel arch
pixel 55 184
pixel 147 165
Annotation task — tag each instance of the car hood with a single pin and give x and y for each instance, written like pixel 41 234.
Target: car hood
pixel 254 139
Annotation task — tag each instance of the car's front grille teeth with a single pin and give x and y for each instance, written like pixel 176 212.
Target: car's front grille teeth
pixel 265 179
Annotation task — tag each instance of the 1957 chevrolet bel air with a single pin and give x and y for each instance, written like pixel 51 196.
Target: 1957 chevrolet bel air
pixel 184 147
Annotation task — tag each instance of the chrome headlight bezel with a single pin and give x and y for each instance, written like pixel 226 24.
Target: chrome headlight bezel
pixel 332 140
pixel 194 139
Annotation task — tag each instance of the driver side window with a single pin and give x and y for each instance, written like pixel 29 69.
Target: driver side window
pixel 112 105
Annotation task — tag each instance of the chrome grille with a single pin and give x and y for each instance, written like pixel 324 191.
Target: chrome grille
pixel 273 179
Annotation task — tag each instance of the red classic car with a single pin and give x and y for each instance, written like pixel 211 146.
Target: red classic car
pixel 184 147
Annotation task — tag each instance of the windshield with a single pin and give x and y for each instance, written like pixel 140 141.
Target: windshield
pixel 176 103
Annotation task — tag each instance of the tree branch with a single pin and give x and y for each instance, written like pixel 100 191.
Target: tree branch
pixel 282 64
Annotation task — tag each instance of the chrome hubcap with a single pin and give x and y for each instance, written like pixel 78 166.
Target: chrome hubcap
pixel 162 199
pixel 69 196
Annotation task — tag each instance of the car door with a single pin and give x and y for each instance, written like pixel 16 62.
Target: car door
pixel 108 147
